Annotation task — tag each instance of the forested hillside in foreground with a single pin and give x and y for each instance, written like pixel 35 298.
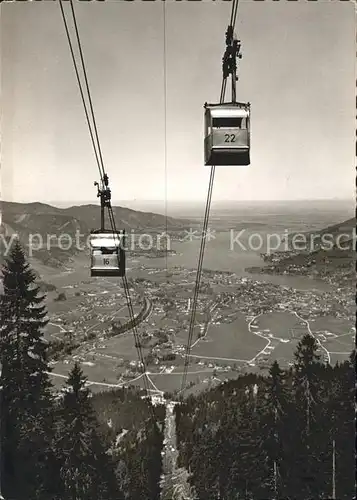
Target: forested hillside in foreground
pixel 68 445
pixel 287 436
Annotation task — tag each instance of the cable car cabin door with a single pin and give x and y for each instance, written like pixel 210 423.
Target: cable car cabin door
pixel 107 264
pixel 108 260
pixel 227 146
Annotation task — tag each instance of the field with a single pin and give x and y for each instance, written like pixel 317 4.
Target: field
pixel 282 325
pixel 283 353
pixel 272 336
pixel 336 335
pixel 243 344
pixel 233 341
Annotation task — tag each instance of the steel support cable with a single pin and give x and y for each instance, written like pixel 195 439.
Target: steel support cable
pixel 133 326
pixel 137 344
pixel 127 293
pixel 99 159
pixel 223 89
pixel 198 278
pixel 80 86
pixel 204 230
pixel 165 125
pixel 234 13
pixel 132 316
pixel 87 86
pixel 128 298
pixel 200 260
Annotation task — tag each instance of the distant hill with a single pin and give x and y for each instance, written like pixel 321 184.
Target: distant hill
pixel 318 239
pixel 43 225
pixel 334 262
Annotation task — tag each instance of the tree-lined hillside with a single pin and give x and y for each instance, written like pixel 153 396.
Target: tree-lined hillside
pixel 67 445
pixel 289 435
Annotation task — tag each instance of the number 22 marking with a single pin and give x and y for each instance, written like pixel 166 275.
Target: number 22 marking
pixel 229 138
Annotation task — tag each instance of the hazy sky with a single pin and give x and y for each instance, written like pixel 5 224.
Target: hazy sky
pixel 298 72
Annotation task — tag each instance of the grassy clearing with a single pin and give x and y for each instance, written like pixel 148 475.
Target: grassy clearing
pixel 284 325
pixel 283 353
pixel 230 341
pixel 122 346
pixel 345 343
pixel 172 382
pixel 338 326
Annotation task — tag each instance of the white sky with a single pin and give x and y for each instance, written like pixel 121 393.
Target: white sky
pixel 298 72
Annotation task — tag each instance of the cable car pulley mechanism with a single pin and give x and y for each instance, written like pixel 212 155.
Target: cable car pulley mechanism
pixel 227 125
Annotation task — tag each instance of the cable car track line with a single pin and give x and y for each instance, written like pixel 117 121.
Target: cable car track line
pixel 103 177
pixel 130 305
pixel 138 346
pixel 226 71
pixel 79 83
pixel 165 138
pixel 198 278
pixel 102 173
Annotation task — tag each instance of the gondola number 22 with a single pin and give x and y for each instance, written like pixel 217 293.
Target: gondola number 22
pixel 229 138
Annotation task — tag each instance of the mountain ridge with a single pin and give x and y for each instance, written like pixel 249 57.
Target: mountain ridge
pixel 46 229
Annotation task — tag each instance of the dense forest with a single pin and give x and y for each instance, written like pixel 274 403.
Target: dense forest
pixel 290 435
pixel 69 444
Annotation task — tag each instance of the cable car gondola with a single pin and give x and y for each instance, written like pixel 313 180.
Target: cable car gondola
pixel 107 245
pixel 227 134
pixel 107 253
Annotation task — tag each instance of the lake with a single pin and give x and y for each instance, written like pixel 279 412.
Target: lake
pixel 222 255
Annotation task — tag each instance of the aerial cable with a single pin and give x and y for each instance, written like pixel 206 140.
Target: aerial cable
pixel 229 38
pixel 138 345
pixel 130 307
pixel 234 13
pixel 198 277
pixel 132 319
pixel 87 86
pixel 165 125
pixel 79 85
pixel 136 336
pixel 223 90
pixel 102 173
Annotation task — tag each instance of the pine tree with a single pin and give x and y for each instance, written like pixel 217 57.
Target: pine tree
pixel 305 418
pixel 85 470
pixel 345 429
pixel 306 479
pixel 247 451
pixel 27 410
pixel 306 380
pixel 276 432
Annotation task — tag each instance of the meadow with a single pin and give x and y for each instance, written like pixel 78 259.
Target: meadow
pixel 232 341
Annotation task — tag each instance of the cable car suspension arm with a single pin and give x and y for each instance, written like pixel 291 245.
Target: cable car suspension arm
pixel 232 52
